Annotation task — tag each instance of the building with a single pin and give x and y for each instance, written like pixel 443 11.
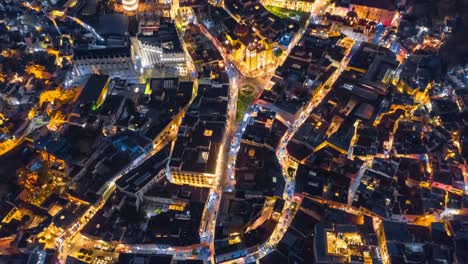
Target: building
pixel 251 52
pixel 299 5
pixel 197 149
pixel 109 157
pixel 380 11
pixel 140 179
pixel 256 42
pixel 353 240
pixel 8 211
pixel 130 5
pixel 93 93
pixel 113 28
pixel 157 45
pixel 195 155
pixel 115 62
pixel 160 53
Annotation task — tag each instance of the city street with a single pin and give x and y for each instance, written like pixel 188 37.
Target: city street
pixel 71 242
pixel 207 228
pixel 231 131
pixel 285 218
pixel 90 250
pixel 225 180
pixel 66 238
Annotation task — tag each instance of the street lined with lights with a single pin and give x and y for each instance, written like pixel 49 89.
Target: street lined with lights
pixel 207 132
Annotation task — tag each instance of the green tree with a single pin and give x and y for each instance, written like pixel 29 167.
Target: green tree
pixel 278 52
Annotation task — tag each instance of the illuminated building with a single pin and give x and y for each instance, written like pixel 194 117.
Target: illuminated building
pixel 381 11
pixel 116 62
pixel 234 238
pixel 192 178
pixel 157 45
pixel 257 56
pixel 346 240
pixel 58 95
pixel 174 8
pixel 197 151
pixel 166 8
pixel 9 211
pixel 194 166
pixel 251 52
pixel 130 5
pixel 299 5
pixel 152 54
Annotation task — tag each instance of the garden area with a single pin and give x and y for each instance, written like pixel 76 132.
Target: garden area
pixel 246 96
pixel 286 13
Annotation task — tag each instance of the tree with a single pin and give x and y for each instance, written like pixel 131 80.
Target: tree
pixel 278 52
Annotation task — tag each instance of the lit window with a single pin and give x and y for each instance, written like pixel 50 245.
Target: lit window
pixel 208 133
pixel 205 155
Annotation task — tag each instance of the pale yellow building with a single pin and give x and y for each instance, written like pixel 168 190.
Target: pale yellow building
pixel 193 179
pixel 250 52
pixel 298 5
